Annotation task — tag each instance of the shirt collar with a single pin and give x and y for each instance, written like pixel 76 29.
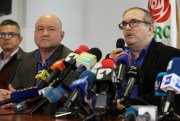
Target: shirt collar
pixel 12 54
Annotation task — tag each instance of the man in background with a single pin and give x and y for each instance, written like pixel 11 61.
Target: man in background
pixel 10 57
pixel 48 35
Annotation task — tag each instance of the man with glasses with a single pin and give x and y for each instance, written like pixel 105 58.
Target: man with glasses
pixel 11 55
pixel 10 39
pixel 152 56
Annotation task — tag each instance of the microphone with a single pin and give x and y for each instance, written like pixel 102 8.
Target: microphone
pixel 79 87
pixel 84 61
pixel 141 113
pixel 133 75
pixel 158 91
pixel 173 66
pixel 109 63
pixel 170 83
pixel 43 74
pixel 70 64
pixel 130 114
pixel 25 104
pixel 51 95
pixel 106 73
pixel 147 113
pixel 82 48
pixel 20 95
pixel 123 62
pixel 120 43
pixel 56 68
pixel 89 59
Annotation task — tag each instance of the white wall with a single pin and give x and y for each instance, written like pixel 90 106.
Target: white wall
pixel 90 22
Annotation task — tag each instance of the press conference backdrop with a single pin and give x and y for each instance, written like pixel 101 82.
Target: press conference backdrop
pixel 90 22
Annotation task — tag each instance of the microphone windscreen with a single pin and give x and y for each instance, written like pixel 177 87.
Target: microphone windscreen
pixel 22 95
pixel 108 63
pixel 125 58
pixel 54 94
pixel 173 66
pixel 82 48
pixel 131 113
pixel 97 52
pixel 90 76
pixel 120 43
pixel 158 91
pixel 58 65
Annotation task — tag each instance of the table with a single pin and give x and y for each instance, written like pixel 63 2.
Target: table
pixel 8 115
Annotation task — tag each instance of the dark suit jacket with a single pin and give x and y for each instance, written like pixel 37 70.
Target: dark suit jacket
pixel 7 73
pixel 156 61
pixel 27 70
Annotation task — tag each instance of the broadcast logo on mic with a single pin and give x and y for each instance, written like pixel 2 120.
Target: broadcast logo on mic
pixel 87 59
pixel 171 82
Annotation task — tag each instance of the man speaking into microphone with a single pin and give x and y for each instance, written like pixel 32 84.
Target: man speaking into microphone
pixel 153 57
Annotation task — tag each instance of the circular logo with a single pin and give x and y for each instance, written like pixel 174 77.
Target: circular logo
pixel 160 9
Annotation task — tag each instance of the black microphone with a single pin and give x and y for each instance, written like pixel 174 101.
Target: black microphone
pixel 120 43
pixel 133 75
pixel 26 103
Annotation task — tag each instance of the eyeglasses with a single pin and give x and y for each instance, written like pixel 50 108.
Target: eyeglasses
pixel 132 23
pixel 8 34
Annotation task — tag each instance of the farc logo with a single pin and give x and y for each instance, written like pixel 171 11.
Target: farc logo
pixel 160 9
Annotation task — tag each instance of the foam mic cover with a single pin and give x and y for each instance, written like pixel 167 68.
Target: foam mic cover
pixel 82 48
pixel 51 95
pixel 79 87
pixel 18 96
pixel 158 91
pixel 131 113
pixel 97 52
pixel 43 74
pixel 108 63
pixel 85 79
pixel 120 43
pixel 54 94
pixel 173 66
pixel 123 62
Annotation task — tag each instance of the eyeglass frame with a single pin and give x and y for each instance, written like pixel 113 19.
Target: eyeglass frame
pixel 10 34
pixel 129 23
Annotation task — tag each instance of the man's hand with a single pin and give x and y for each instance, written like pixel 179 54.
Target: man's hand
pixel 119 105
pixel 115 53
pixel 5 94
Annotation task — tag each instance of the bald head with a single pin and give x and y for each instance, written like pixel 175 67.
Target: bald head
pixel 48 32
pixel 49 18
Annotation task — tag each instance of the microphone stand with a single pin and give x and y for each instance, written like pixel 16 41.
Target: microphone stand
pixel 171 111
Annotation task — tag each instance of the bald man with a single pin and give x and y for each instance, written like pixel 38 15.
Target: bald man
pixel 48 35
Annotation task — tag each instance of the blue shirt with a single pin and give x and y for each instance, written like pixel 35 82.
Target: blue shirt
pixel 41 66
pixel 137 62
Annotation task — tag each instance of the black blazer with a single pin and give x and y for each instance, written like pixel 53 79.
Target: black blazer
pixel 156 61
pixel 27 70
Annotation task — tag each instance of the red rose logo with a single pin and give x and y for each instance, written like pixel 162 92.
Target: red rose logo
pixel 160 9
